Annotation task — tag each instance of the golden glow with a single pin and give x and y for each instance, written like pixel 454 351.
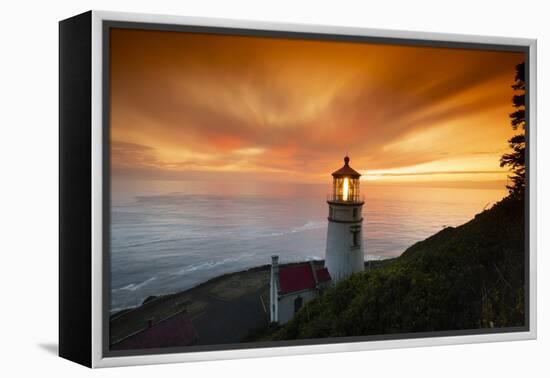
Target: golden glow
pixel 188 106
pixel 346 189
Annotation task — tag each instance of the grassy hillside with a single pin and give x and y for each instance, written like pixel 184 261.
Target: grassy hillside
pixel 466 277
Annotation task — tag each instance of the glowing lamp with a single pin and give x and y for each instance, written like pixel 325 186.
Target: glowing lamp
pixel 345 189
pixel 345 186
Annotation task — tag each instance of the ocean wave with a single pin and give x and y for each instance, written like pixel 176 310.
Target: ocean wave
pixel 308 226
pixel 377 257
pixel 208 265
pixel 135 286
pixel 314 258
pixel 161 240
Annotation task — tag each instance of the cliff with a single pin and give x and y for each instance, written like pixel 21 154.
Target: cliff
pixel 468 277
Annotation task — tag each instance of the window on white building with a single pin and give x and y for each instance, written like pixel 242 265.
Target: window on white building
pixel 355 236
pixel 298 302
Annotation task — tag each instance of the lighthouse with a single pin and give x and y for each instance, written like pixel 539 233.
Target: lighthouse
pixel 344 251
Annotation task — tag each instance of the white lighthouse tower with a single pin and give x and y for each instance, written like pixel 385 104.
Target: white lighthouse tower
pixel 344 253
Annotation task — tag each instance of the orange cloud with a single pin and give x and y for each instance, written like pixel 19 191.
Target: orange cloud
pixel 193 105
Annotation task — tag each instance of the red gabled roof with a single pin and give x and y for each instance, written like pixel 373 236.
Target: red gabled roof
pixel 300 277
pixel 323 275
pixel 296 278
pixel 176 331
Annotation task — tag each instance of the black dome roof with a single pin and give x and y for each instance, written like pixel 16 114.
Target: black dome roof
pixel 346 170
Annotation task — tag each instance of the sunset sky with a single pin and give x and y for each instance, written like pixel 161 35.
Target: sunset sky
pixel 188 106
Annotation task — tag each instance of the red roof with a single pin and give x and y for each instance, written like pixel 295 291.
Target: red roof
pixel 323 275
pixel 300 277
pixel 175 331
pixel 346 170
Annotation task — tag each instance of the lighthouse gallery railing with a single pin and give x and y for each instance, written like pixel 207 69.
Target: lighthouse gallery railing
pixel 350 198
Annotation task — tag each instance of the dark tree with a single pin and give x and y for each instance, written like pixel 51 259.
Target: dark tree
pixel 515 160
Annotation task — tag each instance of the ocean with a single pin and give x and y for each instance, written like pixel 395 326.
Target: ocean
pixel 175 236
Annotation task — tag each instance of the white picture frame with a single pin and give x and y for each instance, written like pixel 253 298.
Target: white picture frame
pixel 99 357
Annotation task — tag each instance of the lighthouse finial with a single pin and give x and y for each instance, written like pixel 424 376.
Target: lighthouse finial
pixel 346 159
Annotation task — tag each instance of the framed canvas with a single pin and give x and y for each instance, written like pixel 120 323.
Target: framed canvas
pixel 235 189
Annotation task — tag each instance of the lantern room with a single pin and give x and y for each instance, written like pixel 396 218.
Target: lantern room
pixel 345 185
